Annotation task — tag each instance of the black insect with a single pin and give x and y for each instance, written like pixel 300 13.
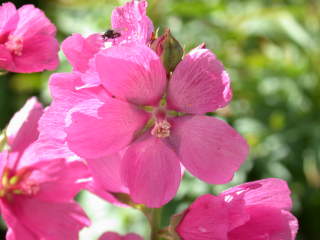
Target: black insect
pixel 110 34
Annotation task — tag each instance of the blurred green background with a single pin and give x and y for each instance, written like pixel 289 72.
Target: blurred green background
pixel 271 49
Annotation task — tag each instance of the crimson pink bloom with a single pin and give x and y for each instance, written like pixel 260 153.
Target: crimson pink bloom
pixel 159 123
pixel 27 40
pixel 130 21
pixel 116 236
pixel 252 211
pixel 36 195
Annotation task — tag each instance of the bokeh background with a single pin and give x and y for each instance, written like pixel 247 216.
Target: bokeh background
pixel 271 49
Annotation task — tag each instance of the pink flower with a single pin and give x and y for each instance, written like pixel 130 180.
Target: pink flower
pixel 27 40
pixel 116 236
pixel 36 194
pixel 159 122
pixel 255 210
pixel 129 21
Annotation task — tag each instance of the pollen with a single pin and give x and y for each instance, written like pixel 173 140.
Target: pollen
pixel 161 129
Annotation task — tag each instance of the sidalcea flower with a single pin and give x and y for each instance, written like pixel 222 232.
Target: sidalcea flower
pixel 255 210
pixel 157 123
pixel 27 40
pixel 131 24
pixel 116 236
pixel 36 194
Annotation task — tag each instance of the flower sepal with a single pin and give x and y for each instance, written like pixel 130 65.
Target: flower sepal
pixel 126 199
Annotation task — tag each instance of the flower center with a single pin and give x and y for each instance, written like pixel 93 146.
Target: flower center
pixel 161 127
pixel 14 45
pixel 17 184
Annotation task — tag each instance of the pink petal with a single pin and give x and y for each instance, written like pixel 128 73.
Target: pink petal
pixel 111 236
pixel 9 159
pixel 132 23
pixel 33 21
pixel 106 171
pixel 49 220
pixel 205 219
pixel 63 87
pixel 199 84
pixel 152 171
pixel 58 179
pixel 208 147
pixel 116 236
pixel 236 208
pixel 293 223
pixel 80 50
pixel 16 230
pixel 20 232
pixel 100 191
pixel 132 236
pixel 266 223
pixel 8 18
pixel 269 192
pixel 3 161
pixel 39 53
pixel 133 73
pixel 22 128
pixel 99 129
pixel 6 62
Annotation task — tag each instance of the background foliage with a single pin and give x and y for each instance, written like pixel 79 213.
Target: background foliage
pixel 271 50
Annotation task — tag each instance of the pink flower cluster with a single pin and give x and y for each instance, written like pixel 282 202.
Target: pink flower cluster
pixel 121 123
pixel 120 101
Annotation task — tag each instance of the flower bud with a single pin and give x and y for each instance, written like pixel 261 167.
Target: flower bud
pixel 169 50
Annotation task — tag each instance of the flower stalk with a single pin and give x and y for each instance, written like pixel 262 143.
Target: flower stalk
pixel 154 218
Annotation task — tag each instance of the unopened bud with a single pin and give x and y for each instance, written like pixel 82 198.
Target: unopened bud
pixel 169 50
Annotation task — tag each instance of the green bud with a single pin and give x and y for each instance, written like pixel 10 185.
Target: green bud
pixel 169 50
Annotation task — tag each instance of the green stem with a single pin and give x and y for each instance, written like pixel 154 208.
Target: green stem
pixel 154 218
